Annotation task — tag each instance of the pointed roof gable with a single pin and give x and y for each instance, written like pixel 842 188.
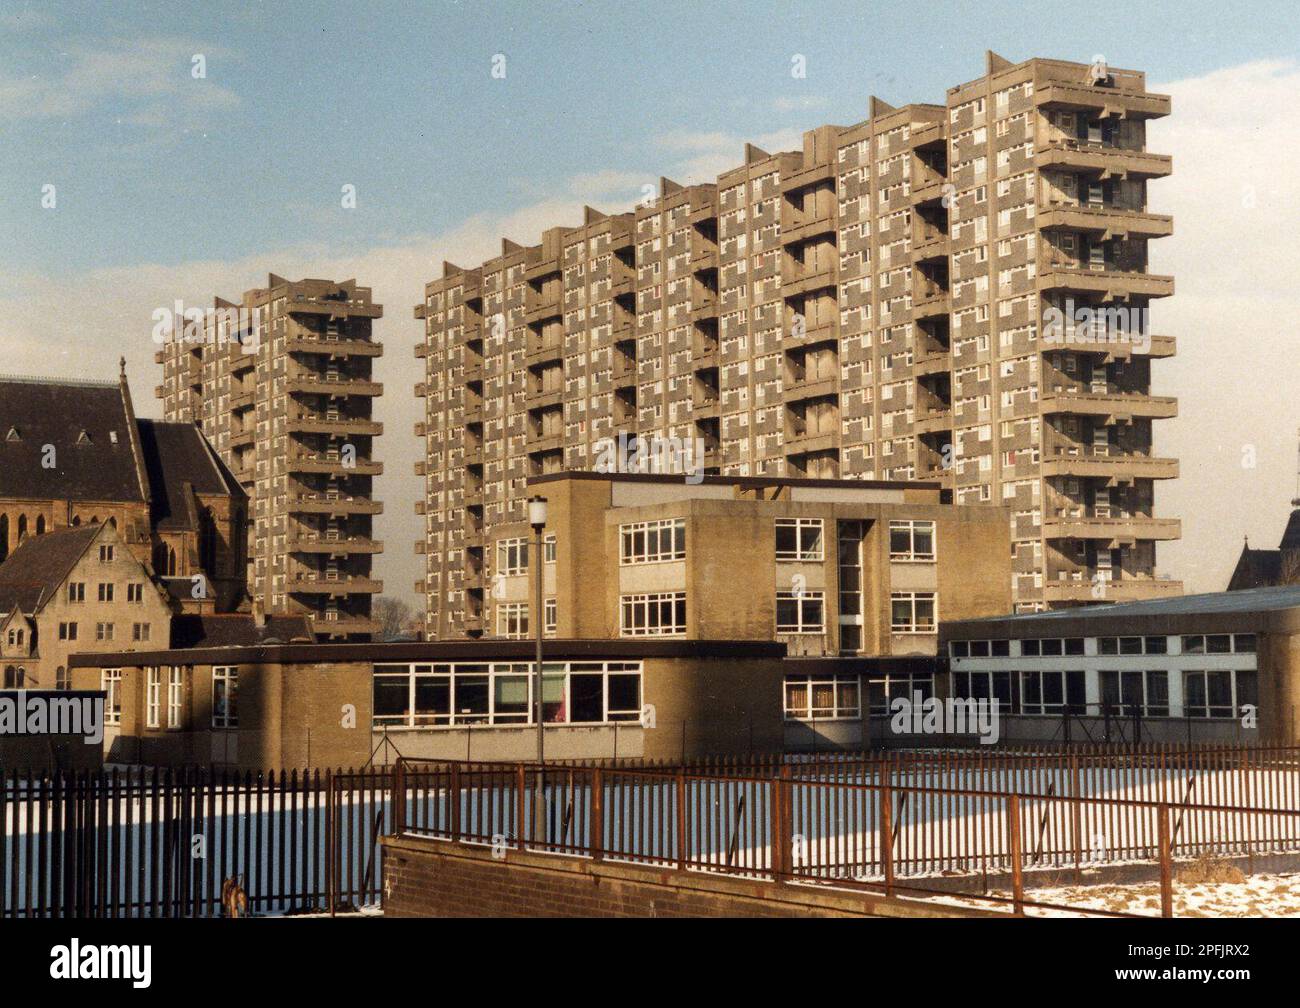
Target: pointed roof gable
pixel 101 466
pixel 39 566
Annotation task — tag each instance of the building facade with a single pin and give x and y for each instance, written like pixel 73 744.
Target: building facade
pixel 1221 667
pixel 323 705
pixel 824 567
pixel 73 453
pixel 281 385
pixel 70 591
pixel 952 292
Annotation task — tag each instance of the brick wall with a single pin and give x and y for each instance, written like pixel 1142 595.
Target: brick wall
pixel 431 878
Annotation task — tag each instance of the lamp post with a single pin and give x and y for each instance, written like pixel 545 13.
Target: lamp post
pixel 537 519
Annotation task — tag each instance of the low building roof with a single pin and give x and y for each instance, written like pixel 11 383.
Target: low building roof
pixel 237 630
pixel 1212 610
pixel 34 571
pixel 437 651
pixel 179 464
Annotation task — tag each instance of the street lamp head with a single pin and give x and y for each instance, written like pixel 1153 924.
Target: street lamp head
pixel 537 513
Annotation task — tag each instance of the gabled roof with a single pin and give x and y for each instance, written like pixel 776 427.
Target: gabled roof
pixel 35 570
pixel 92 429
pixel 180 463
pixel 1291 534
pixel 237 630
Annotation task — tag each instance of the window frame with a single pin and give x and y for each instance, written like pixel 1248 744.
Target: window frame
pixel 228 677
pixel 801 554
pixel 911 526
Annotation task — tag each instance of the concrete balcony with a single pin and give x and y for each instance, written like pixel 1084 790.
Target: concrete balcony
pixel 1128 590
pixel 334 348
pixel 799 281
pixel 1108 162
pixel 1113 468
pixel 343 584
pixel 334 466
pixel 803 178
pixel 936 363
pixel 355 427
pixel 319 504
pixel 1113 285
pixel 241 439
pixel 1116 407
pixel 1103 101
pixel 806 230
pixel 338 387
pixel 932 422
pixel 1120 346
pixel 323 546
pixel 342 626
pixel 302 305
pixel 1117 531
pixel 1106 222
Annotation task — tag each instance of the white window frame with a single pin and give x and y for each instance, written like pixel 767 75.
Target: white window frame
pixel 835 712
pixel 911 527
pixel 175 695
pixel 512 557
pixel 111 683
pixel 647 604
pixel 153 697
pixel 799 598
pixel 652 531
pixel 801 554
pixel 912 627
pixel 227 675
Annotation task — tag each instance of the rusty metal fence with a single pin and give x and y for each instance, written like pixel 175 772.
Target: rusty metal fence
pixel 926 824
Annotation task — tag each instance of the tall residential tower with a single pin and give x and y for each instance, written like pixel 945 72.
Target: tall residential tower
pixel 952 292
pixel 281 385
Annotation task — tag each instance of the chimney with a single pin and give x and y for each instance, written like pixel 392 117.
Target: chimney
pixel 259 613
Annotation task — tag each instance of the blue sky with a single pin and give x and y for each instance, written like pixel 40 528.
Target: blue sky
pixel 397 99
pixel 169 186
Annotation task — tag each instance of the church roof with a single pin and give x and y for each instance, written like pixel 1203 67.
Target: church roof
pixel 35 570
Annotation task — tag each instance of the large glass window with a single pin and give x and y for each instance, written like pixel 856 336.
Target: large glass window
pixel 984 686
pixel 799 539
pixel 1219 693
pixel 111 680
pixel 1134 692
pixel 913 612
pixel 653 541
pixel 225 694
pixel 800 612
pixel 911 541
pixel 659 614
pixel 512 557
pixel 822 697
pixel 1051 691
pixel 881 690
pixel 501 693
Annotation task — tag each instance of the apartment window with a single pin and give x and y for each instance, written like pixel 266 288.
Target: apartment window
pixel 979 649
pixel 1199 644
pixel 1135 692
pixel 105 591
pixel 802 612
pixel 225 696
pixel 512 557
pixel 984 686
pixel 1051 647
pixel 62 679
pixel 135 592
pixel 140 632
pixel 175 695
pixel 1051 691
pixel 823 698
pixel 653 541
pixel 657 614
pixel 799 539
pixel 1219 693
pixel 548 549
pixel 512 620
pixel 105 554
pixel 103 631
pixel 552 617
pixel 111 683
pixel 883 690
pixel 76 591
pixel 913 612
pixel 446 695
pixel 911 540
pixel 153 697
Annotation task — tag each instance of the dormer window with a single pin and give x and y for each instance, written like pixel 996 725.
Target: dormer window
pixel 13 435
pixel 83 438
pixel 112 437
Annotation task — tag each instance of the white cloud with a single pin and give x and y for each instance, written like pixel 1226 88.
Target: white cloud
pixel 147 80
pixel 1235 138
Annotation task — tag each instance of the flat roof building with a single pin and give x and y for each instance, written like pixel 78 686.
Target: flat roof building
pixel 1216 667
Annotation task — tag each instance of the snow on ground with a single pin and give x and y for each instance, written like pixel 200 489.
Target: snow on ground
pixel 1262 895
